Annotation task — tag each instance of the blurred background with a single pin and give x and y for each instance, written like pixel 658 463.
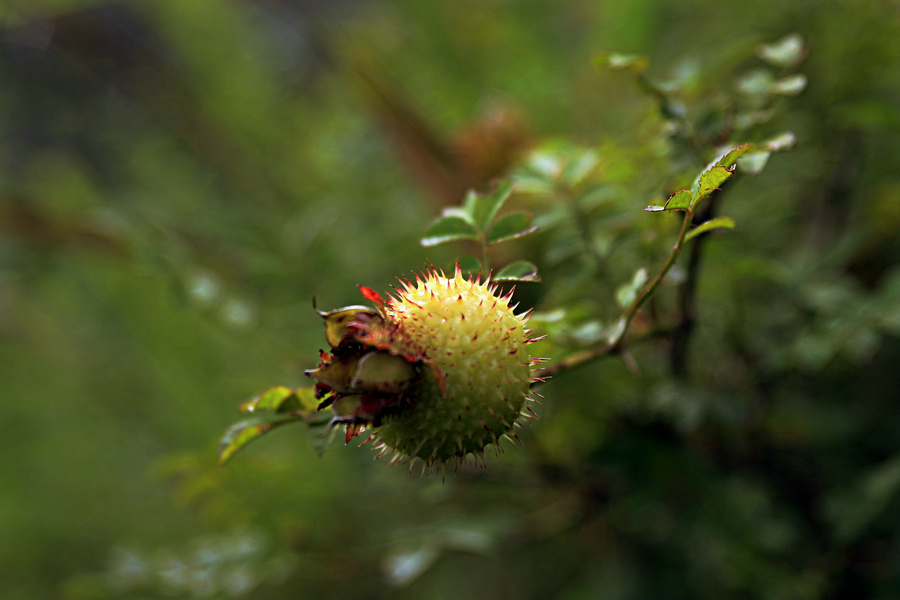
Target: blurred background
pixel 178 180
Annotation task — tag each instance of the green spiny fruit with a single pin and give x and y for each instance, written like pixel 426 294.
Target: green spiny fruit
pixel 439 372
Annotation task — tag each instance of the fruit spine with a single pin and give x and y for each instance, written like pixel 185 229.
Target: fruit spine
pixel 439 372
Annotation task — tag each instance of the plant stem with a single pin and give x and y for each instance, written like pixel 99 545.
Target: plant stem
pixel 682 333
pixel 485 254
pixel 648 290
pixel 613 345
pixel 583 226
pixel 581 357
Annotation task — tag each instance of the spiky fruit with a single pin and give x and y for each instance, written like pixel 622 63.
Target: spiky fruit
pixel 440 372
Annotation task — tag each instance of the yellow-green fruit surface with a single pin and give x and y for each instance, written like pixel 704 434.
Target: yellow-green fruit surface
pixel 479 348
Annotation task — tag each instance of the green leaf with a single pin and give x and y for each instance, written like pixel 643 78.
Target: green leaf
pixel 780 142
pixel 785 52
pixel 448 228
pixel 545 164
pixel 511 226
pixel 751 118
pixel 756 83
pixel 401 568
pixel 710 181
pixel 719 223
pixel 459 212
pixel 587 333
pixel 521 270
pixel 680 200
pixel 581 165
pixel 528 183
pixel 616 330
pixel 242 433
pixel 276 399
pixel 551 322
pixel 730 157
pixel 484 208
pixel 618 62
pixel 625 294
pixel 277 405
pixel 307 398
pixel 754 162
pixel 468 207
pixel 790 86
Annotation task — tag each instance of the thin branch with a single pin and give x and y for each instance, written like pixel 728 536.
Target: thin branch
pixel 614 345
pixel 681 336
pixel 586 355
pixel 582 224
pixel 485 254
pixel 682 333
pixel 648 290
pixel 573 360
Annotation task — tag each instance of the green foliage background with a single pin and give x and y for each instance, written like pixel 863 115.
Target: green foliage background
pixel 179 179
